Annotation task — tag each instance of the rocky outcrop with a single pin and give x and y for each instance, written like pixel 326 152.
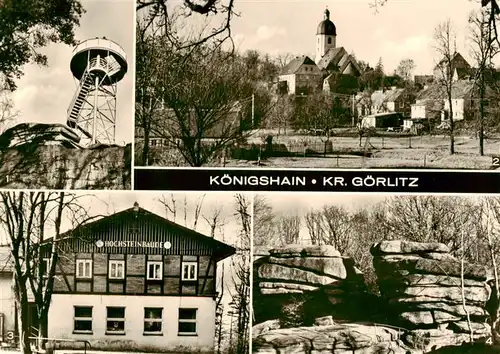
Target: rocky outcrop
pixel 41 166
pixel 336 338
pixel 422 282
pixel 299 270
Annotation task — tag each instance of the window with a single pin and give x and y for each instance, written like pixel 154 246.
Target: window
pixel 84 268
pixel 115 320
pixel 116 269
pixel 329 40
pixel 83 319
pixel 152 320
pixel 189 271
pixel 45 268
pixel 154 271
pixel 187 322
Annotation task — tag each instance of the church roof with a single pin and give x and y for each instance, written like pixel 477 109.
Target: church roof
pixel 331 57
pixel 326 26
pixel 337 59
pixel 293 66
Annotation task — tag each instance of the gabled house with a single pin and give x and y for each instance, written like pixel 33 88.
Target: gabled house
pixel 460 67
pixel 394 100
pixel 132 280
pixel 432 103
pixel 301 75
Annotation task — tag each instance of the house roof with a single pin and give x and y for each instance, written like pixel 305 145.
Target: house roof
pixel 294 65
pixel 6 263
pixel 90 231
pixel 456 59
pixel 460 89
pixel 394 94
pixel 379 97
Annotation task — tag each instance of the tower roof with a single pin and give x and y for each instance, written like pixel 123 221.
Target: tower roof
pixel 326 26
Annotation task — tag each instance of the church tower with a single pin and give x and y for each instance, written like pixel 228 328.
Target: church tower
pixel 326 36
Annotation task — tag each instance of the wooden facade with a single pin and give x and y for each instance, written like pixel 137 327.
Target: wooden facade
pixel 134 242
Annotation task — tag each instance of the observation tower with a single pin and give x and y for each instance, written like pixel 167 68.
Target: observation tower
pixel 98 64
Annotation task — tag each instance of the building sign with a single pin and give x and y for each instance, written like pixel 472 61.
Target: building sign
pixel 128 243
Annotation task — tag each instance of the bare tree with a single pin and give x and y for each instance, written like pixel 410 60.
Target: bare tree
pixel 202 111
pixel 283 59
pixel 158 12
pixel 289 227
pixel 264 225
pixel 26 218
pixel 7 111
pixel 170 205
pixel 491 211
pixel 405 69
pixel 445 46
pixel 152 56
pixel 484 48
pixel 336 228
pixel 241 278
pixel 314 224
pixel 215 220
pixel 429 218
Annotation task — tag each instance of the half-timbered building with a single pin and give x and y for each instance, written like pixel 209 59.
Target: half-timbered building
pixel 136 281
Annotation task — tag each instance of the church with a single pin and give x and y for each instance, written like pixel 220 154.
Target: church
pixel 330 65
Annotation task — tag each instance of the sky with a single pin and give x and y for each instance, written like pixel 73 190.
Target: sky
pixel 400 29
pixel 107 203
pixel 301 203
pixel 44 93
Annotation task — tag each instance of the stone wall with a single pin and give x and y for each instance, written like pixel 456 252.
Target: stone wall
pixel 58 167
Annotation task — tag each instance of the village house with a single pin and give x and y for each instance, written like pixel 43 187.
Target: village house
pixel 135 280
pixel 301 75
pixel 393 100
pixel 460 67
pixel 432 103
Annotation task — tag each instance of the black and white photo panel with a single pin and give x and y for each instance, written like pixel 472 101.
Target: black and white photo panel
pixel 67 98
pixel 375 274
pixel 125 272
pixel 317 84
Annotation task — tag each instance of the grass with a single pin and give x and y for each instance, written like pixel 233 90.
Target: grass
pixel 386 152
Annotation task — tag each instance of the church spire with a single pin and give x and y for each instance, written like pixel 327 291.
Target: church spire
pixel 327 13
